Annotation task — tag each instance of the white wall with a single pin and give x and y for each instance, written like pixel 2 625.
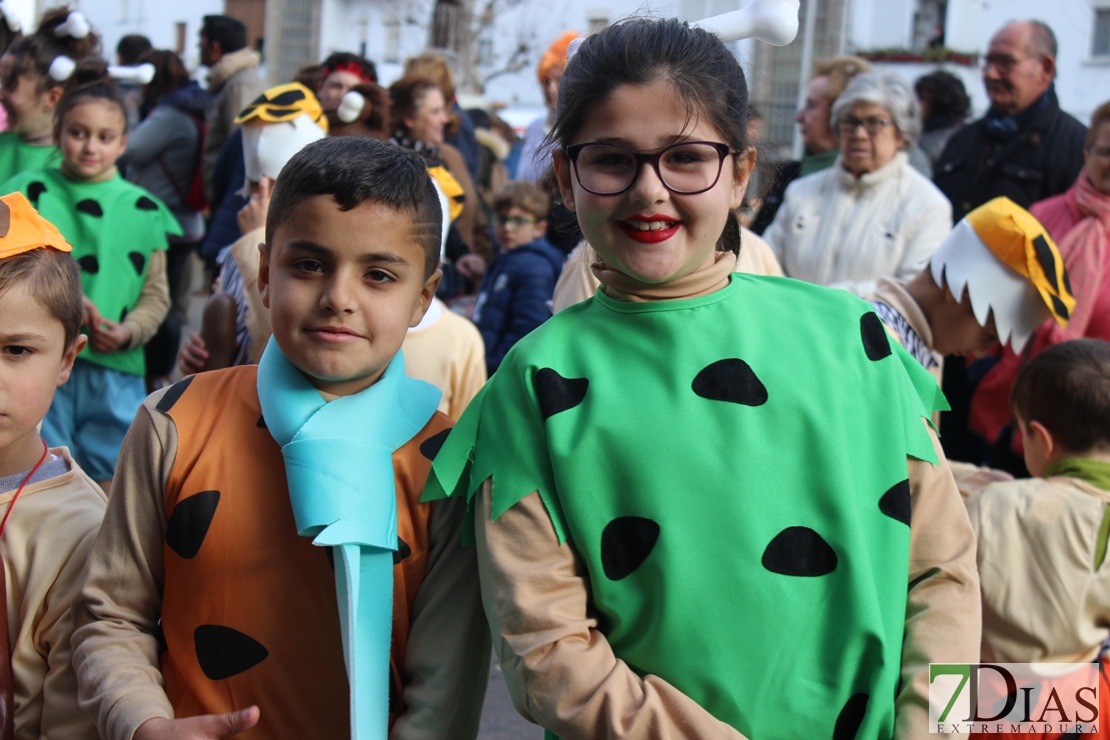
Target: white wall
pixel 155 19
pixel 1081 84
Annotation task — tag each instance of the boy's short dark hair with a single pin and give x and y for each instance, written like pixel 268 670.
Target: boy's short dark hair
pixel 230 32
pixel 525 196
pixel 52 278
pixel 131 47
pixel 354 170
pixel 1067 389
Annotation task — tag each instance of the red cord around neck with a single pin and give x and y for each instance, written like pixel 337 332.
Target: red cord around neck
pixel 42 458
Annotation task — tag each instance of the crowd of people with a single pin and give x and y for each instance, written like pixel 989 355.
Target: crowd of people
pixel 673 449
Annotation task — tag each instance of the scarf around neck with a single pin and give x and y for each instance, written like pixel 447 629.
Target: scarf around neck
pixel 704 280
pixel 1095 472
pixel 339 464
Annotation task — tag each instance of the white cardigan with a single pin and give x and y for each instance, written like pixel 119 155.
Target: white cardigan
pixel 845 232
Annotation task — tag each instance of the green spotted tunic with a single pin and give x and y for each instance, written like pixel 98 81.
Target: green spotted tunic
pixel 734 480
pixel 113 226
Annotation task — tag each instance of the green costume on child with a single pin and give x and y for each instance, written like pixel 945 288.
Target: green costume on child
pixel 743 517
pixel 113 226
pixel 17 156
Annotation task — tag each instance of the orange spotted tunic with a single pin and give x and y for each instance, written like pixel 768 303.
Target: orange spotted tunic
pixel 268 623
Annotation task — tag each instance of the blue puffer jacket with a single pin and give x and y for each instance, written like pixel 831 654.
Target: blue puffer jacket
pixel 515 296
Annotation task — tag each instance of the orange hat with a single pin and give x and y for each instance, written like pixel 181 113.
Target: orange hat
pixel 556 55
pixel 23 229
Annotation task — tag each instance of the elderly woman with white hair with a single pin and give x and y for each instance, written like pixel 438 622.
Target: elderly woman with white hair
pixel 871 214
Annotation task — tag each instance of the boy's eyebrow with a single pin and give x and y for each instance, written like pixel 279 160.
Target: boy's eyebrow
pixel 307 245
pixel 21 337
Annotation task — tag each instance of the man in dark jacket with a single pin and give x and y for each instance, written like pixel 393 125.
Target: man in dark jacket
pixel 1025 148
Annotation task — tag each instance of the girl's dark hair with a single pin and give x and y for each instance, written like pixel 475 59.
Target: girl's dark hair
pixel 91 82
pixel 34 54
pixel 946 94
pixel 169 75
pixel 404 99
pixel 642 51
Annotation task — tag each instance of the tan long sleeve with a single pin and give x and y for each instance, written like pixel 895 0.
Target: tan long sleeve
pixel 448 655
pixel 943 622
pixel 116 612
pixel 154 302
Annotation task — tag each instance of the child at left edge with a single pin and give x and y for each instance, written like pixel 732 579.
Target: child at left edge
pixel 119 233
pixel 50 509
pixel 206 541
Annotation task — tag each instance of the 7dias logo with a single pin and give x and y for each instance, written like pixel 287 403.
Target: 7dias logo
pixel 1014 698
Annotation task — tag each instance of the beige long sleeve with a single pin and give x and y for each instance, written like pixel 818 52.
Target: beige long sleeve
pixel 448 654
pixel 116 612
pixel 154 302
pixel 943 622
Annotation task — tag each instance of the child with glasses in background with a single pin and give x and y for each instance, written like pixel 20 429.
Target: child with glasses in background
pixel 515 295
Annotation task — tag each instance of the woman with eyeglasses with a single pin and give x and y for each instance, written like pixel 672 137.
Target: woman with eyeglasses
pixel 1078 220
pixel 871 214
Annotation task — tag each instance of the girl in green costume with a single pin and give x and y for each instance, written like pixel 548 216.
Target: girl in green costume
pixel 693 493
pixel 119 236
pixel 35 72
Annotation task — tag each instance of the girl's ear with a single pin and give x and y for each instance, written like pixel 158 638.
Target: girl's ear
pixel 745 165
pixel 51 96
pixel 562 175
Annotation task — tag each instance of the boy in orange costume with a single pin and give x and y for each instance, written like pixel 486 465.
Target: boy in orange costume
pixel 206 541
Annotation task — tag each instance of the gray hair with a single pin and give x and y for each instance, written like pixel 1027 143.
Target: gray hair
pixel 891 92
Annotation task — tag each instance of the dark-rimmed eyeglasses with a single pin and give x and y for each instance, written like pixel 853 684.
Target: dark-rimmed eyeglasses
pixel 873 125
pixel 1004 63
pixel 686 168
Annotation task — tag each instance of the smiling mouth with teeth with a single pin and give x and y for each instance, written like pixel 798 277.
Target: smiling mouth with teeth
pixel 649 225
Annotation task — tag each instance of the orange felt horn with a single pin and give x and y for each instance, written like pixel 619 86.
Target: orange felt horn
pixel 23 229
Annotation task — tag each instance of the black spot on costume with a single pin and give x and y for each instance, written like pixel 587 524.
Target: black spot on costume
pixel 34 190
pixel 172 394
pixel 626 543
pixel 138 261
pixel 90 207
pixel 799 551
pixel 731 380
pixel 189 522
pixel 146 204
pixel 89 263
pixel 850 718
pixel 895 503
pixel 875 341
pixel 430 447
pixel 556 393
pixel 224 652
